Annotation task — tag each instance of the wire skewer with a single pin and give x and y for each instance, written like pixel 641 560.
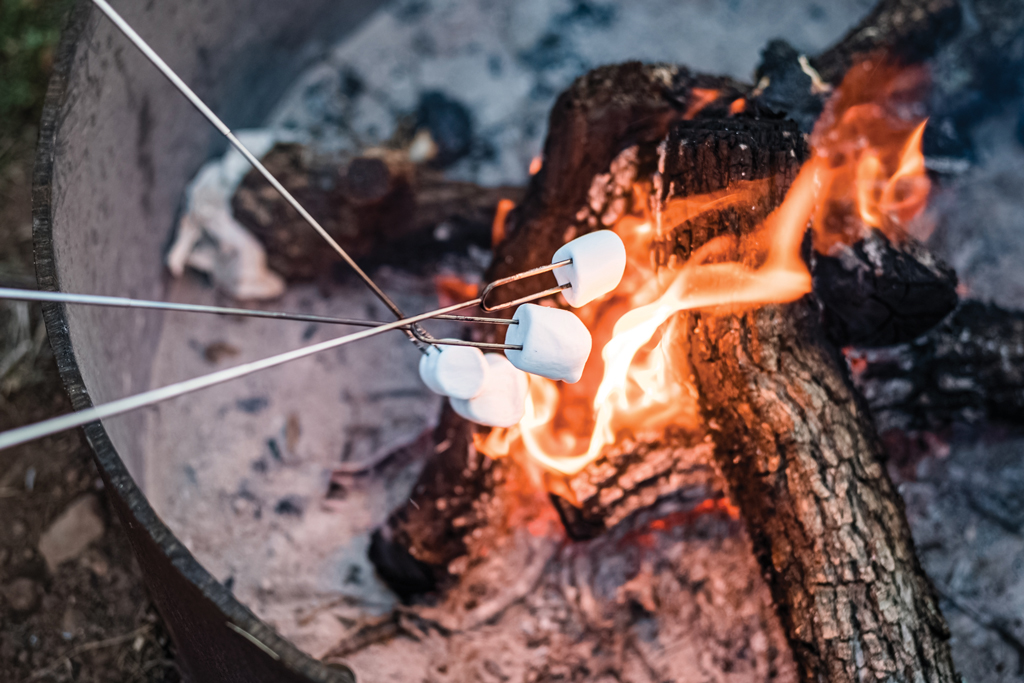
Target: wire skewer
pixel 124 302
pixel 152 56
pixel 38 430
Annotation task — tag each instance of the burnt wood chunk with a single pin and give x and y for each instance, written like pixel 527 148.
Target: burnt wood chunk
pixel 414 550
pixel 906 30
pixel 880 293
pixel 968 369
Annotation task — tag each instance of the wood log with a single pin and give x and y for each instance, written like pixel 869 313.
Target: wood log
pixel 906 30
pixel 380 207
pixel 880 293
pixel 415 551
pixel 803 462
pixel 969 369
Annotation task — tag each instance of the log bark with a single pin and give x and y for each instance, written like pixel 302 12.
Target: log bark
pixel 803 462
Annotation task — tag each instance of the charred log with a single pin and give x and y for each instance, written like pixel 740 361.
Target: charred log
pixel 879 293
pixel 415 549
pixel 381 208
pixel 968 369
pixel 906 30
pixel 803 462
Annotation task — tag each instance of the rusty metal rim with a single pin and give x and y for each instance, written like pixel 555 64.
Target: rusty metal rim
pixel 195 606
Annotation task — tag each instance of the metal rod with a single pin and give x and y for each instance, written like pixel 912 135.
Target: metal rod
pixel 124 302
pixel 38 430
pixel 522 276
pixel 159 63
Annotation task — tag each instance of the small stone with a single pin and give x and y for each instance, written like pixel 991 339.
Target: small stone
pixel 22 594
pixel 72 532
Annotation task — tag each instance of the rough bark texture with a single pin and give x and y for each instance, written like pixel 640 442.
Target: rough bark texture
pixel 414 550
pixel 380 207
pixel 804 464
pixel 805 467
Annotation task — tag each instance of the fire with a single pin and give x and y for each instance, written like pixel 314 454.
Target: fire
pixel 866 171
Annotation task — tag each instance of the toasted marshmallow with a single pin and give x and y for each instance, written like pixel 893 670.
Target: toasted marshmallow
pixel 455 371
pixel 556 344
pixel 598 261
pixel 502 402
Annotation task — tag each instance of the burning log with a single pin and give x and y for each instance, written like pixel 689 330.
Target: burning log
pixel 805 466
pixel 795 443
pixel 366 203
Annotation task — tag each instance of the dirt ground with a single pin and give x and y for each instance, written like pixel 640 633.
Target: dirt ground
pixel 90 619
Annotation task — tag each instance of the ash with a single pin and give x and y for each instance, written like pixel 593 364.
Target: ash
pixel 278 494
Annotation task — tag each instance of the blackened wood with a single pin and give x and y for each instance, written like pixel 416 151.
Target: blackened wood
pixel 968 369
pixel 906 30
pixel 804 464
pixel 879 293
pixel 414 550
pixel 380 208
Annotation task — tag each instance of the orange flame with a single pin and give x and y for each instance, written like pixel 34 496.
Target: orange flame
pixel 500 216
pixel 700 98
pixel 866 170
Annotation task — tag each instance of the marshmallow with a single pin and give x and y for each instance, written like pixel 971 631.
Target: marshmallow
pixel 502 402
pixel 456 371
pixel 556 344
pixel 598 260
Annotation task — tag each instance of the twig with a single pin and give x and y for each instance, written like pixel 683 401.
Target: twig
pixel 83 648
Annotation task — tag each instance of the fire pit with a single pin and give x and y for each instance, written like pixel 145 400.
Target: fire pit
pixel 712 497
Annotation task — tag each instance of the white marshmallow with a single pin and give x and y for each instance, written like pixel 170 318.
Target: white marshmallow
pixel 502 403
pixel 598 261
pixel 456 371
pixel 556 344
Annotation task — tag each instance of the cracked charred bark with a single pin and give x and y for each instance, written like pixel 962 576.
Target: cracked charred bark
pixel 804 464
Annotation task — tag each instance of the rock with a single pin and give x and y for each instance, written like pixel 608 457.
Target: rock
pixel 22 594
pixel 72 532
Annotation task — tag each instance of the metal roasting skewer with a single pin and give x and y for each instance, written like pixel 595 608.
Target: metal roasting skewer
pixel 38 430
pixel 78 418
pixel 415 335
pixel 124 302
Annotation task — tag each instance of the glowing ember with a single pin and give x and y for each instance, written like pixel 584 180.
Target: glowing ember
pixel 500 215
pixel 700 98
pixel 866 171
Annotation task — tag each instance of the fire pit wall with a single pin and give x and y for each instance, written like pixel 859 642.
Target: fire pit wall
pixel 117 146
